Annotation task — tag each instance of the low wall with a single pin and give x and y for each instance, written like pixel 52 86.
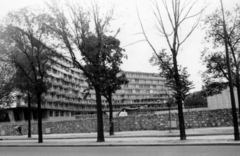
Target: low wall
pixel 193 119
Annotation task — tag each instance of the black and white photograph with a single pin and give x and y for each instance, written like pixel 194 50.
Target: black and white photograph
pixel 119 77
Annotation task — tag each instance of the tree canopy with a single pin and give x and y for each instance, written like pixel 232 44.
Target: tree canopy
pixel 165 64
pixel 215 77
pixel 24 37
pixel 84 33
pixel 6 81
pixel 195 100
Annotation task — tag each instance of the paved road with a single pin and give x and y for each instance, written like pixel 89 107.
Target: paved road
pixel 120 151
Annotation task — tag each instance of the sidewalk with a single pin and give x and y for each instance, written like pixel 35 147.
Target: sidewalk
pixel 201 136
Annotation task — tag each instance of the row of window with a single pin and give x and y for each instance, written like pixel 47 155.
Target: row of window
pixel 145 81
pixel 133 96
pixel 144 86
pixel 69 80
pixel 60 113
pixel 61 90
pixel 145 75
pixel 67 77
pixel 150 86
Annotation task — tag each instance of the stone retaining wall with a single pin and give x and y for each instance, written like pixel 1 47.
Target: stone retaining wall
pixel 193 119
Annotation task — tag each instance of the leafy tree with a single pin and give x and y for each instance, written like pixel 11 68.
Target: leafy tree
pixel 17 83
pixel 166 67
pixel 113 79
pixel 215 77
pixel 4 116
pixel 111 86
pixel 6 85
pixel 196 99
pixel 6 80
pixel 27 92
pixel 24 36
pixel 112 83
pixel 84 35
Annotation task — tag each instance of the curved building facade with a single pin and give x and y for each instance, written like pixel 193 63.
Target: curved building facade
pixel 66 99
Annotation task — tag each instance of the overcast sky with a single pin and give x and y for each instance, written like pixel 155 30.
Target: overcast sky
pixel 140 53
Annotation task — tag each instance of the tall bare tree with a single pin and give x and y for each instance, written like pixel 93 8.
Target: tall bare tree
pixel 177 12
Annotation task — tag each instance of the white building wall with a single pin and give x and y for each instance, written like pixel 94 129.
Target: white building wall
pixel 222 100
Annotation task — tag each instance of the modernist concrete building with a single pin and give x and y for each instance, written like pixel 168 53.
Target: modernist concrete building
pixel 65 98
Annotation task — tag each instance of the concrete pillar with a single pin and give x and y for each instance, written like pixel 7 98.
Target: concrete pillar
pixel 11 116
pixel 44 115
pixel 21 115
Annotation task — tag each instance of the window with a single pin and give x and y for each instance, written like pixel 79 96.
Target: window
pixel 62 113
pixel 67 113
pixel 56 113
pixel 146 86
pixel 54 71
pixel 131 86
pixel 160 82
pixel 51 113
pixel 149 81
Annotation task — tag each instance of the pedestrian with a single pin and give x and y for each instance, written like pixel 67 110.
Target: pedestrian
pixel 18 129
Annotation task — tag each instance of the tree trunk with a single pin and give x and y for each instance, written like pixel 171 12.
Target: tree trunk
pixel 234 113
pixel 29 116
pixel 179 99
pixel 111 124
pixel 238 89
pixel 39 102
pixel 100 134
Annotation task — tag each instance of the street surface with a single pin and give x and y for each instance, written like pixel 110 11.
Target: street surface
pixel 122 151
pixel 123 141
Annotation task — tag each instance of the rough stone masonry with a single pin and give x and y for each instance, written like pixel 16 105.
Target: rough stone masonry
pixel 193 119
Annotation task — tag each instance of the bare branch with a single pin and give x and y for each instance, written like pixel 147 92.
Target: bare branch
pixel 145 33
pixel 189 10
pixel 134 43
pixel 160 21
pixel 166 7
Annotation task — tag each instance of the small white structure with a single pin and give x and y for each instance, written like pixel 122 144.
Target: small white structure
pixel 124 113
pixel 222 100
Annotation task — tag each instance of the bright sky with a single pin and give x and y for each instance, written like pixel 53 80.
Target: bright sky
pixel 140 53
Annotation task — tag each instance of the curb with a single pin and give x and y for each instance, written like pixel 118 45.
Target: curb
pixel 123 145
pixel 93 137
